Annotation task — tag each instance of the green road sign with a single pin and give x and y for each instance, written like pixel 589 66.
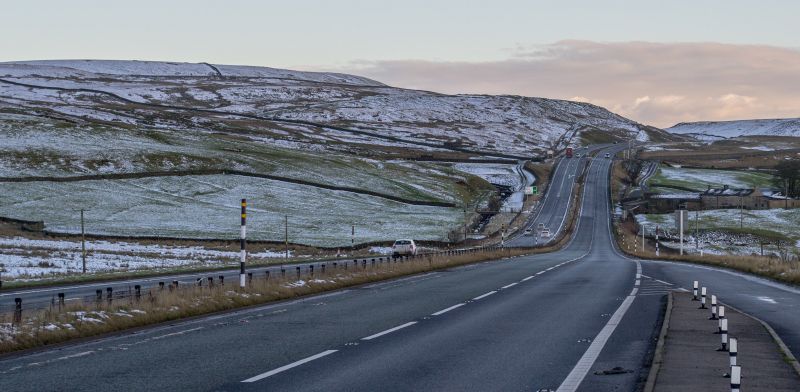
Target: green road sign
pixel 534 190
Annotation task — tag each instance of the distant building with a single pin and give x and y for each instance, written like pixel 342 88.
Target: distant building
pixel 747 198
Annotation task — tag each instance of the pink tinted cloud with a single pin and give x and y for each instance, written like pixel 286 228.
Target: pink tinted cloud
pixel 654 83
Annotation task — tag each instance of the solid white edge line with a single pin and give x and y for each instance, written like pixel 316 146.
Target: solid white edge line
pixel 289 366
pixel 527 279
pixel 482 296
pixel 584 365
pixel 448 309
pixel 390 330
pixel 509 285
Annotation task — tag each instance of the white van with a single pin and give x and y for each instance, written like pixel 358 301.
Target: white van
pixel 404 248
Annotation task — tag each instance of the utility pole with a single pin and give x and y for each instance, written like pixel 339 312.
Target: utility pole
pixel 286 234
pixel 83 242
pixel 696 231
pixel 242 239
pixel 642 237
pixel 741 211
pixel 465 224
pixel 680 213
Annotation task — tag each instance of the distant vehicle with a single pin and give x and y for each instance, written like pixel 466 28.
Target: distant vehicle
pixel 528 232
pixel 545 233
pixel 404 248
pixel 608 155
pixel 540 226
pixel 568 152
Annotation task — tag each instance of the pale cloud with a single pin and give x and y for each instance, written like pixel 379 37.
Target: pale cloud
pixel 654 83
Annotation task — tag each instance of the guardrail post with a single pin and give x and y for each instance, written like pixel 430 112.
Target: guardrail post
pixel 98 295
pixel 161 285
pixel 323 268
pixel 210 281
pixel 694 290
pixel 17 310
pixel 60 300
pixel 311 270
pixel 138 289
pixel 222 280
pixel 267 274
pixel 110 294
pixel 298 272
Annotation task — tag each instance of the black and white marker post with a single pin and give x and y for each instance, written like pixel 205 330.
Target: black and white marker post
pixel 242 238
pixel 694 291
pixel 702 297
pixel 736 378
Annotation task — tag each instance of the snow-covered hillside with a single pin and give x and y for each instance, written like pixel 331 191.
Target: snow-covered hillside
pixel 730 129
pixel 275 106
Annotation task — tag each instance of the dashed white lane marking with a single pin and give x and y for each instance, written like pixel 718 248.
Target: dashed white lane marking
pixel 578 373
pixel 540 272
pixel 390 330
pixel 443 311
pixel 527 279
pixel 289 366
pixel 638 282
pixel 767 300
pixel 482 296
pixel 509 285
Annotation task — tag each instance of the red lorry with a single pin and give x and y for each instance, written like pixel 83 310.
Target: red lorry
pixel 568 152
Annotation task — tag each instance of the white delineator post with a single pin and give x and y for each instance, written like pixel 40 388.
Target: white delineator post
pixel 736 378
pixel 713 307
pixel 694 290
pixel 243 241
pixel 657 253
pixel 733 350
pixel 703 297
pixel 724 335
pixel 721 315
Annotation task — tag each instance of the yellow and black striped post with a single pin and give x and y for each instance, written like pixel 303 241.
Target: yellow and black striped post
pixel 242 239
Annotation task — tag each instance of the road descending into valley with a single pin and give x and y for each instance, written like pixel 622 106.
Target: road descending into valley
pixel 540 322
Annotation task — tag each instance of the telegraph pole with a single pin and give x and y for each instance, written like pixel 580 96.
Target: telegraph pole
pixel 465 224
pixel 242 238
pixel 286 234
pixel 83 242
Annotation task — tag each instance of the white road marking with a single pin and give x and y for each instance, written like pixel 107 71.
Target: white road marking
pixel 289 366
pixel 448 309
pixel 638 282
pixel 484 295
pixel 390 330
pixel 661 281
pixel 540 272
pixel 176 333
pixel 578 373
pixel 509 285
pixel 767 300
pixel 526 279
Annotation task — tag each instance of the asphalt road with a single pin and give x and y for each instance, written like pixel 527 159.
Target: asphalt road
pixel 542 322
pixel 552 212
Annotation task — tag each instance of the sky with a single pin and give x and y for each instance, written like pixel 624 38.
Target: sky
pixel 653 61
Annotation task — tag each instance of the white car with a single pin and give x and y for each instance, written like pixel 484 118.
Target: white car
pixel 545 233
pixel 528 232
pixel 404 248
pixel 608 155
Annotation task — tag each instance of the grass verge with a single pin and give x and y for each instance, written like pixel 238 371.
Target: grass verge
pixel 87 319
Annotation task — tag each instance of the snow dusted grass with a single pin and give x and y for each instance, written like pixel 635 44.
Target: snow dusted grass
pixel 770 267
pixel 24 259
pixel 784 222
pixel 77 320
pixel 700 179
pixel 208 207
